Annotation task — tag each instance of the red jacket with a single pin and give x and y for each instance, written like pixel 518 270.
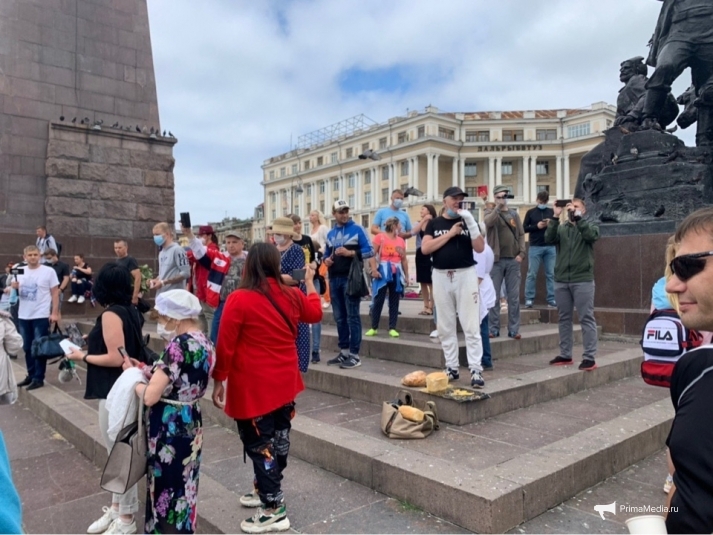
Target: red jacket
pixel 210 268
pixel 256 350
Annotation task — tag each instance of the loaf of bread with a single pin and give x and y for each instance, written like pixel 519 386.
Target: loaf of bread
pixel 416 379
pixel 412 413
pixel 436 382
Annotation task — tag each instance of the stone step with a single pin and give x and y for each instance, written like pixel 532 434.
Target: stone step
pixel 515 383
pixel 421 350
pixel 507 469
pixel 411 322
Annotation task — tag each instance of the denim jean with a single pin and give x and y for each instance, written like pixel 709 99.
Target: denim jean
pixel 484 334
pixel 216 323
pixel 346 315
pixel 536 256
pixel 31 330
pixel 316 327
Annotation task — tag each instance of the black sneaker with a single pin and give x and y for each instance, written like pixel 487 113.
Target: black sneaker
pixel 586 365
pixel 315 357
pixel 487 367
pixel 494 334
pixel 25 382
pixel 453 375
pixel 476 380
pixel 560 361
pixel 337 360
pixel 35 384
pixel 552 304
pixel 351 362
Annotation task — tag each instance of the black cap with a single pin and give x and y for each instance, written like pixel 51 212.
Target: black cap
pixel 453 191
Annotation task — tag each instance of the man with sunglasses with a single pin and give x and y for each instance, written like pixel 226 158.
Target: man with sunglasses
pixel 574 280
pixel 690 440
pixel 506 236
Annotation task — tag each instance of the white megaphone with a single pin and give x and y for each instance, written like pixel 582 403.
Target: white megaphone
pixel 601 509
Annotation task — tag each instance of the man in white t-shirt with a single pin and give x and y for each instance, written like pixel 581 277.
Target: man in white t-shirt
pixel 38 290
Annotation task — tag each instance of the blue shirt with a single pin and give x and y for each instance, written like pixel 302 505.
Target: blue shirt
pixel 10 508
pixel 385 213
pixel 352 237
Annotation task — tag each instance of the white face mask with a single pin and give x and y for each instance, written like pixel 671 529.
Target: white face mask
pixel 165 333
pixel 204 240
pixel 279 239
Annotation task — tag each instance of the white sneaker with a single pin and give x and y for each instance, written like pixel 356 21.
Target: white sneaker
pixel 119 526
pixel 251 499
pixel 434 334
pixel 101 525
pixel 72 299
pixel 325 306
pixel 81 299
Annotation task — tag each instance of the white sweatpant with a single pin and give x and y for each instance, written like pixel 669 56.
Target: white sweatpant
pixel 457 290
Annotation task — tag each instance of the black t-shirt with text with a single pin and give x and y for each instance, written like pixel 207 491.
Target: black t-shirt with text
pixel 690 442
pixel 129 262
pixel 457 252
pixel 61 269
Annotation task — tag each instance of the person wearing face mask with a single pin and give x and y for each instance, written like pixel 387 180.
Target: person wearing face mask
pixel 507 239
pixel 118 326
pixel 173 267
pixel 393 210
pixel 574 238
pixel 211 265
pixel 539 252
pixel 450 240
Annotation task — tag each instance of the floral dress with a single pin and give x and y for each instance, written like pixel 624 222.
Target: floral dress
pixel 175 436
pixel 294 258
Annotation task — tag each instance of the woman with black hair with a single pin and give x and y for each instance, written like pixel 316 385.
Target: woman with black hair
pixel 423 261
pixel 117 326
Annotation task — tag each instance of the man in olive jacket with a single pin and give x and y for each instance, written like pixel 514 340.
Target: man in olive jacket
pixel 574 280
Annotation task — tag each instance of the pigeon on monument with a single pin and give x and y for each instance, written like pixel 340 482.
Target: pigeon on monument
pixel 152 130
pixel 61 117
pixel 74 120
pixel 116 125
pixel 164 133
pixel 144 130
pixel 171 135
pixel 138 129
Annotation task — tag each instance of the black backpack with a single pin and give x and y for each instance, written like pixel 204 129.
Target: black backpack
pixel 59 245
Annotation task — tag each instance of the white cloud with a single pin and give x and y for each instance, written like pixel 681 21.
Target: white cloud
pixel 238 79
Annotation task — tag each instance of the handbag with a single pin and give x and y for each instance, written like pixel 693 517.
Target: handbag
pixel 127 461
pixel 47 347
pixel 356 283
pixel 394 425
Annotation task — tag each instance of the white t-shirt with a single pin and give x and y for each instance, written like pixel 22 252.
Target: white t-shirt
pixel 36 292
pixel 488 297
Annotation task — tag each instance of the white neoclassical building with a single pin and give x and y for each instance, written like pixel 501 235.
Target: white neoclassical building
pixel 526 150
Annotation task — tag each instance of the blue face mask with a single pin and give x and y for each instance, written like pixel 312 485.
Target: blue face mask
pixel 451 213
pixel 398 203
pixel 158 240
pixel 542 206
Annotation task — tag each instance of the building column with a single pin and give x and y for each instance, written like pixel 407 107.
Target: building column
pixel 525 179
pixel 375 186
pixel 358 195
pixel 328 202
pixel 566 178
pixel 429 176
pixel 414 172
pixel 533 179
pixel 302 203
pixel 454 181
pixel 462 174
pixel 315 195
pixel 498 170
pixel 491 176
pixel 559 191
pixel 436 181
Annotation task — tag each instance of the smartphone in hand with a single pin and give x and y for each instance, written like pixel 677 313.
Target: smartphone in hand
pixel 68 346
pixel 298 274
pixel 186 219
pixel 123 352
pixel 562 203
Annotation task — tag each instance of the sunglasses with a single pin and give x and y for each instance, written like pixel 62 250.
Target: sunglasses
pixel 689 265
pixel 500 196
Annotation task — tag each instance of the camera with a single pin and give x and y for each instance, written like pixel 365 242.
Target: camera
pixel 573 217
pixel 509 196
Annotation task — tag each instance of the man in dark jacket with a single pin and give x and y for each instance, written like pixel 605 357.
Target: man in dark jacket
pixel 539 252
pixel 574 280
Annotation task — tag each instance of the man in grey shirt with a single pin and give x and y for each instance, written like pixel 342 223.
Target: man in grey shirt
pixel 173 267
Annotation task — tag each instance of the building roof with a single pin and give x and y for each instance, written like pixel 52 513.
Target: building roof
pixel 532 114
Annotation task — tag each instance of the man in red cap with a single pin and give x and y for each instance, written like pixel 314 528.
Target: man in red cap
pixel 210 266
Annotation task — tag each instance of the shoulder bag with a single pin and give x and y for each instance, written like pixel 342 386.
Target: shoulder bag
pixel 394 425
pixel 148 355
pixel 47 347
pixel 126 464
pixel 356 283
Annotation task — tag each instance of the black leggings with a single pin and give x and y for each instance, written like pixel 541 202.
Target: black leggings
pixel 266 440
pixel 378 305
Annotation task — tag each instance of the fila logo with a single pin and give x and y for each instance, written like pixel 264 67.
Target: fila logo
pixel 656 334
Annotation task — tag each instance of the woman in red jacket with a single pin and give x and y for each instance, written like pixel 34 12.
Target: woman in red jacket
pixel 257 356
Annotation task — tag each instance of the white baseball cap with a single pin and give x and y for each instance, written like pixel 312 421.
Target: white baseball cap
pixel 340 205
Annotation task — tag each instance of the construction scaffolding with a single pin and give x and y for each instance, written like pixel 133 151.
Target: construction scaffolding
pixel 335 131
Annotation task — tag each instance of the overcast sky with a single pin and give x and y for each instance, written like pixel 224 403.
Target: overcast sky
pixel 238 79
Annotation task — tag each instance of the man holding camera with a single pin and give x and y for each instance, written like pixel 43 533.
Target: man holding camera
pixel 506 236
pixel 574 280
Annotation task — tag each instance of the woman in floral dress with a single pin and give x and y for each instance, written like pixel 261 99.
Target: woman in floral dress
pixel 173 419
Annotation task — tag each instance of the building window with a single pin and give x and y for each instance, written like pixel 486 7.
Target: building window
pixel 385 196
pixel 404 168
pixel 421 131
pixel 320 161
pixel 309 189
pixel 333 157
pixel 578 130
pixel 322 186
pixel 513 135
pixel 471 169
pixel 543 188
pixel 364 147
pixel 272 175
pixel 477 135
pixel 273 214
pixel 367 176
pixel 350 153
pixel 471 191
pixel 306 165
pixel 543 168
pixel 294 169
pixel 446 133
pixel 367 198
pixel 404 187
pixel 506 168
pixel 352 179
pixel 283 171
pixel 546 135
pixel 382 143
pixel 402 137
pixel 365 221
pixel 385 172
pixel 309 207
pixel 321 206
pixel 350 201
pixel 335 184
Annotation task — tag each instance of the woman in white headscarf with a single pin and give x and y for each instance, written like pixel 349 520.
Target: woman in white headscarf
pixel 174 423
